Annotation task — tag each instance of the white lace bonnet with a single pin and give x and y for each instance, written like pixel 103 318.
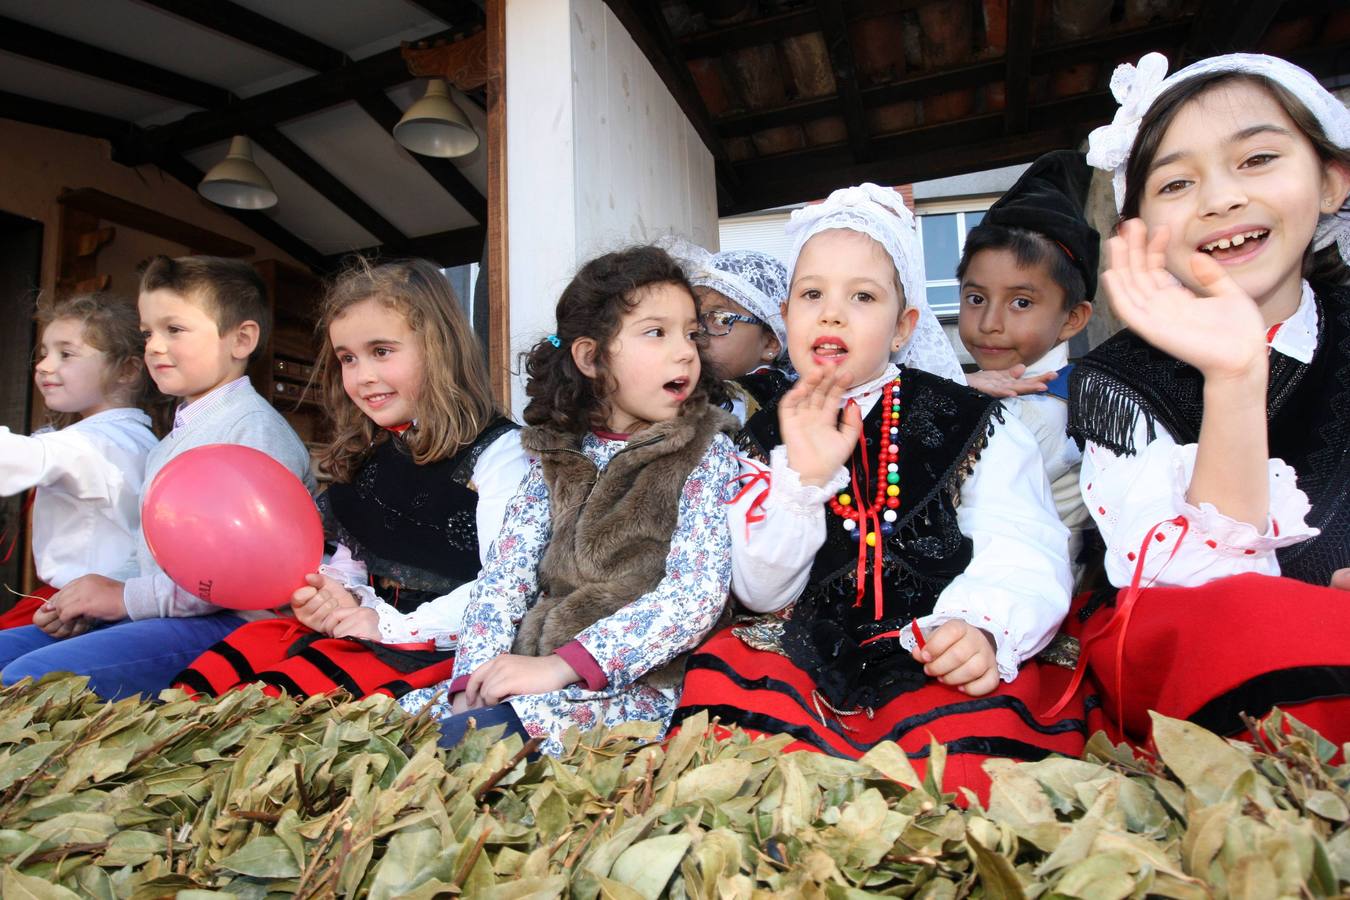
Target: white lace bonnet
pixel 1137 87
pixel 753 279
pixel 881 214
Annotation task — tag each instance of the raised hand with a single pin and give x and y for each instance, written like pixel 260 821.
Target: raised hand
pixel 818 439
pixel 1005 383
pixel 1220 331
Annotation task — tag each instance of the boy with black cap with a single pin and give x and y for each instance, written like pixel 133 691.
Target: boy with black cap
pixel 1028 273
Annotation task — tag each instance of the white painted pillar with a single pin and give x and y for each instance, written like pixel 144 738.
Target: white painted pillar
pixel 599 156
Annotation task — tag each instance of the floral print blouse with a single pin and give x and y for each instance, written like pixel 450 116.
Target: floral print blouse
pixel 671 619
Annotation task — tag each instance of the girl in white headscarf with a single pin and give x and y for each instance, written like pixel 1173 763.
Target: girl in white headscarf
pixel 1217 428
pixel 898 537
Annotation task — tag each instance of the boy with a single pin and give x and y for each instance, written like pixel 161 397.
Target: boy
pixel 1028 272
pixel 204 318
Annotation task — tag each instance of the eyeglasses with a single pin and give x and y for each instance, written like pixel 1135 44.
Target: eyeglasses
pixel 719 322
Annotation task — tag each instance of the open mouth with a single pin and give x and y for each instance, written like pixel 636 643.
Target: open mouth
pixel 829 348
pixel 1235 245
pixel 378 400
pixel 677 387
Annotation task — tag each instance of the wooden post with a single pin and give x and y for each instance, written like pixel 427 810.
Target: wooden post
pixel 499 303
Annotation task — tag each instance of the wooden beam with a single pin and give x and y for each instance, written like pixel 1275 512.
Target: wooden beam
pixel 290 155
pixel 62 118
pixel 647 26
pixel 1222 27
pixel 44 46
pixel 498 243
pixel 1021 22
pixel 261 224
pixel 123 212
pixel 248 27
pixel 771 29
pixel 375 72
pixel 386 112
pixel 835 28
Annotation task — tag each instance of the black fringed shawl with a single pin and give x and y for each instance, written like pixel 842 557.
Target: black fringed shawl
pixel 1308 416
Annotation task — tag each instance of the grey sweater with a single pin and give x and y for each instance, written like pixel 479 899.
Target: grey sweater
pixel 232 414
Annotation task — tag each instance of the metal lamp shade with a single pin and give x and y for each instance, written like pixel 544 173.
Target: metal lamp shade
pixel 237 182
pixel 435 126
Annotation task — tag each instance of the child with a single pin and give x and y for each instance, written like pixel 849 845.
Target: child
pixel 741 293
pixel 88 467
pixel 908 547
pixel 1217 439
pixel 203 318
pixel 1028 272
pixel 423 466
pixel 614 557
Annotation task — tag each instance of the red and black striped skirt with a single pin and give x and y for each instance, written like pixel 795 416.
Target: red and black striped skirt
pixel 286 657
pixel 764 692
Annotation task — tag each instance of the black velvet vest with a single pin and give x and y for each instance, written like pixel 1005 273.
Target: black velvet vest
pixel 1307 414
pixel 943 429
pixel 415 527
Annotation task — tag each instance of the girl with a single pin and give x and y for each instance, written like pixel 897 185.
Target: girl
pixel 614 558
pixel 88 465
pixel 422 466
pixel 1217 454
pixel 906 552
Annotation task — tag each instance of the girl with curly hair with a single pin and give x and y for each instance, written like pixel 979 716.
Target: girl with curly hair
pixel 614 558
pixel 422 464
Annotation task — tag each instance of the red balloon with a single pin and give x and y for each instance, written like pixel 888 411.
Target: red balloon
pixel 233 526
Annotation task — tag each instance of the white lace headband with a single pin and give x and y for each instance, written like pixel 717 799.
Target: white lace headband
pixel 1137 88
pixel 881 214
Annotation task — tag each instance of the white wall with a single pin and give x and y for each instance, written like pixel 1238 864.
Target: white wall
pixel 599 155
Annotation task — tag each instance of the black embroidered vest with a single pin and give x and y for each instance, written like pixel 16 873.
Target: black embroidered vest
pixel 415 527
pixel 943 429
pixel 1307 414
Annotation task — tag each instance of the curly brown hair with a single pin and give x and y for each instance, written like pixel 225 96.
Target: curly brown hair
pixel 455 402
pixel 110 324
pixel 593 306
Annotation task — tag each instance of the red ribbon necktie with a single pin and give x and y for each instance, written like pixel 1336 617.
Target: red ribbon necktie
pixel 756 511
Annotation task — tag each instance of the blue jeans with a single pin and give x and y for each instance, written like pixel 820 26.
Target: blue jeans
pixel 454 728
pixel 120 658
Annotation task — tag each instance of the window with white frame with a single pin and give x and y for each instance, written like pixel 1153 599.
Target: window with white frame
pixel 942 232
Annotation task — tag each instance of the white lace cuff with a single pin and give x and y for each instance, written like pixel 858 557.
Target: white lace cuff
pixel 1007 656
pixel 1289 507
pixel 788 493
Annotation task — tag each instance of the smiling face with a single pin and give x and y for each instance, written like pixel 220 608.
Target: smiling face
pixel 652 360
pixel 744 348
pixel 844 306
pixel 187 354
pixel 72 375
pixel 1235 178
pixel 1013 314
pixel 381 360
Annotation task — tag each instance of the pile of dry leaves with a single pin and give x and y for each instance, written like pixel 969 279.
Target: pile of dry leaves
pixel 249 796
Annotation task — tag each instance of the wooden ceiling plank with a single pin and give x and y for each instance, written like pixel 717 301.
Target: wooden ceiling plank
pixel 293 157
pixel 456 247
pixel 769 30
pixel 249 27
pixel 123 212
pixel 327 89
pixel 1224 27
pixel 35 43
pixel 834 26
pixel 61 117
pixel 453 13
pixel 386 112
pixel 1021 24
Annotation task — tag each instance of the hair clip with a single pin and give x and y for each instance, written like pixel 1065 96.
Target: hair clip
pixel 554 340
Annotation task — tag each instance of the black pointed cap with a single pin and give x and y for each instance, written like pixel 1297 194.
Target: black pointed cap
pixel 1049 199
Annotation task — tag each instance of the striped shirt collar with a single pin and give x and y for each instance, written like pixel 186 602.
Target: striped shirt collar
pixel 187 413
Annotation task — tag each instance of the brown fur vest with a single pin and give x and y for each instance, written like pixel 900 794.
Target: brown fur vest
pixel 611 528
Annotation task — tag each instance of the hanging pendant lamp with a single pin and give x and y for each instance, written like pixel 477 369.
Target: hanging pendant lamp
pixel 435 126
pixel 236 181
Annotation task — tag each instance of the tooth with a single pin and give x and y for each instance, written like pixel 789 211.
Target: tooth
pixel 1238 239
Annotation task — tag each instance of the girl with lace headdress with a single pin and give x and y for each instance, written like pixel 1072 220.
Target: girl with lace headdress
pixel 899 537
pixel 1217 459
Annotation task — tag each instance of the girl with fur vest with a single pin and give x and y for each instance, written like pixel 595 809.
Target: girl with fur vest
pixel 614 558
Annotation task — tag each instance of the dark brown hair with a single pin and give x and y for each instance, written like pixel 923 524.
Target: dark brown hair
pixel 111 325
pixel 1029 249
pixel 592 306
pixel 229 289
pixel 454 402
pixel 1326 265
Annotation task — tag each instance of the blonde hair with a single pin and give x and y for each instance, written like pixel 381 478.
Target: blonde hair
pixel 110 324
pixel 454 403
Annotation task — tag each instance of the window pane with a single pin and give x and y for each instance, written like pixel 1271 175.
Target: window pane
pixel 940 253
pixel 973 219
pixel 944 299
